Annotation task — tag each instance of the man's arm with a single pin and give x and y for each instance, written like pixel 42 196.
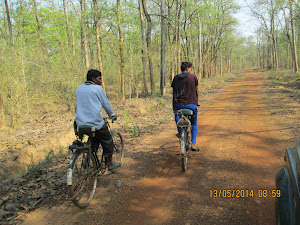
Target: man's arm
pixel 197 92
pixel 106 104
pixel 198 103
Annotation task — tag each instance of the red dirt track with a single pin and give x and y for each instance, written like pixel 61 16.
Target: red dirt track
pixel 241 148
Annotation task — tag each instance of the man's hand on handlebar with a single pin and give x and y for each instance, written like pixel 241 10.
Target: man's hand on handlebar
pixel 114 118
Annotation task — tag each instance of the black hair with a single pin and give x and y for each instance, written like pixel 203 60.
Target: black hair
pixel 185 65
pixel 92 74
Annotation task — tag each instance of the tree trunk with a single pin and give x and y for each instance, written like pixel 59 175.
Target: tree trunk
pixel 84 45
pixel 143 47
pixel 9 23
pixel 163 50
pixel 293 45
pixel 199 48
pixel 99 57
pixel 131 71
pixel 43 59
pixel 2 119
pixel 39 28
pixel 73 43
pixel 274 42
pixel 149 48
pixel 179 37
pixel 67 24
pixel 131 76
pixel 221 64
pixel 121 50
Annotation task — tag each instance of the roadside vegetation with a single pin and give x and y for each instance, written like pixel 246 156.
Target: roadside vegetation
pixel 286 81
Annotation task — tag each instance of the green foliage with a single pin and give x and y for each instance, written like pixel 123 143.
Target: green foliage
pixel 135 130
pixel 159 102
pixel 37 170
pixel 127 119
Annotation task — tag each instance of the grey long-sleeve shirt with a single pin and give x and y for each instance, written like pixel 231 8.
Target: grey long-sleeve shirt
pixel 90 98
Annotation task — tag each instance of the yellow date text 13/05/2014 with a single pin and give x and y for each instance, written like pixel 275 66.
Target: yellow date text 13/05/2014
pixel 244 193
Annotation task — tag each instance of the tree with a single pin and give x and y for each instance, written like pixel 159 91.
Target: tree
pixel 163 49
pixel 2 118
pixel 143 46
pixel 99 57
pixel 293 41
pixel 121 51
pixel 179 9
pixel 149 46
pixel 9 23
pixel 84 44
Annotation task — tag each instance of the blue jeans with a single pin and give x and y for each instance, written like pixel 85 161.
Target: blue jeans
pixel 192 107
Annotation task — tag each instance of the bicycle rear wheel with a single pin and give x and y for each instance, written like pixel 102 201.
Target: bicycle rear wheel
pixel 183 151
pixel 118 147
pixel 81 178
pixel 188 141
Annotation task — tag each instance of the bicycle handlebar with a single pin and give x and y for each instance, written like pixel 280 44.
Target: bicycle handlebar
pixel 112 119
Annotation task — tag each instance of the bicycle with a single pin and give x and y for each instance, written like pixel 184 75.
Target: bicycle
pixel 185 116
pixel 85 166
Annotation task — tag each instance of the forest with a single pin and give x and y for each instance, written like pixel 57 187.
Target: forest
pixel 47 46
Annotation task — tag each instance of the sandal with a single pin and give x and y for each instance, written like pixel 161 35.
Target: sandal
pixel 114 168
pixel 195 149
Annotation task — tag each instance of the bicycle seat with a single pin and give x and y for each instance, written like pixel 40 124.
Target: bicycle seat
pixel 186 112
pixel 86 130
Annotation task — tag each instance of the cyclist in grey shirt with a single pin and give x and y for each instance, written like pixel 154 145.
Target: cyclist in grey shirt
pixel 90 98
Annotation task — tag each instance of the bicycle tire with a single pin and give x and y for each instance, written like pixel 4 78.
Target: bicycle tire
pixel 82 178
pixel 183 149
pixel 188 144
pixel 284 210
pixel 118 153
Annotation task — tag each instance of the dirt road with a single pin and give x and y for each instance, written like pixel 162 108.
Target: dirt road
pixel 241 148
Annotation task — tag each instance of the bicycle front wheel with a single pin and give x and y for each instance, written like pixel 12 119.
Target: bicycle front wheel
pixel 102 163
pixel 183 151
pixel 118 147
pixel 81 178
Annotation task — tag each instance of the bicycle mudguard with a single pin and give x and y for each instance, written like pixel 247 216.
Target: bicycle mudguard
pixel 292 161
pixel 184 122
pixel 69 170
pixel 72 161
pixel 285 209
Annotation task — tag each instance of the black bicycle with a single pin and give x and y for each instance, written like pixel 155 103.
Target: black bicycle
pixel 85 165
pixel 185 116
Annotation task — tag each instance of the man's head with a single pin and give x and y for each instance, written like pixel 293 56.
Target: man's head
pixel 95 76
pixel 186 66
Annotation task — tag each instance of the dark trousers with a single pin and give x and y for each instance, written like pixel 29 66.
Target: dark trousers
pixel 104 138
